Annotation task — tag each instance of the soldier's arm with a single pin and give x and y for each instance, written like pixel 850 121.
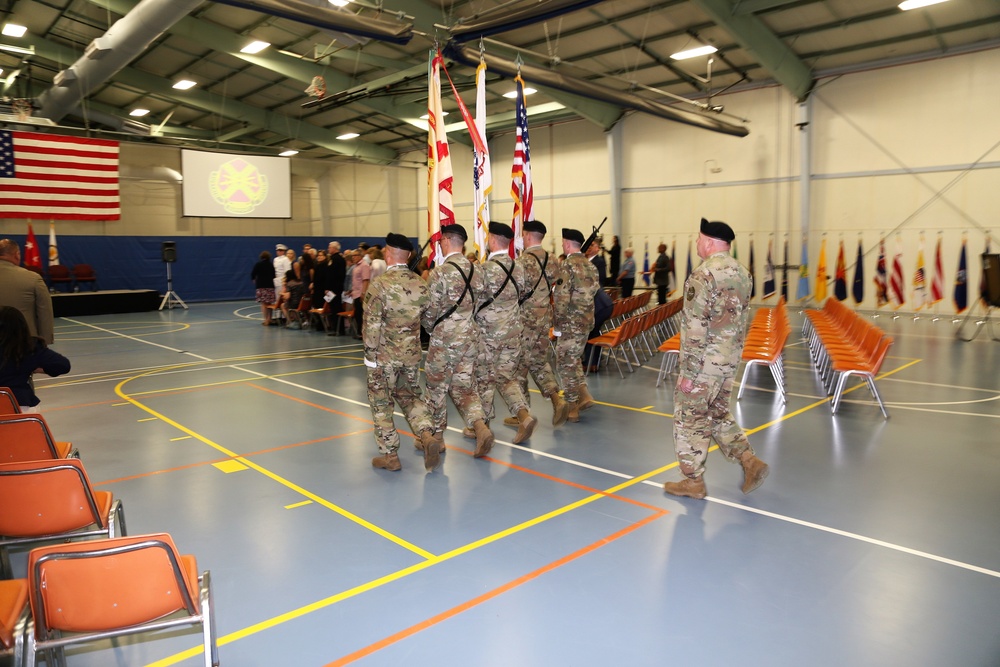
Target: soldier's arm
pixel 374 307
pixel 697 316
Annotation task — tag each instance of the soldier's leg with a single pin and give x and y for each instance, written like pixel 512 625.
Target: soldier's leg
pixel 507 359
pixel 411 401
pixel 437 371
pixel 538 363
pixel 485 375
pixel 692 428
pixel 462 389
pixel 380 400
pixel 731 438
pixel 568 351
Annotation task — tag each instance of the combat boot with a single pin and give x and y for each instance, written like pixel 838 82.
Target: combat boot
pixel 387 461
pixel 526 426
pixel 560 409
pixel 484 439
pixel 692 488
pixel 573 414
pixel 468 433
pixel 432 450
pixel 754 471
pixel 511 421
pixel 586 400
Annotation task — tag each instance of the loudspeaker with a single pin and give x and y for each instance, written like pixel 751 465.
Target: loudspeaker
pixel 169 249
pixel 991 269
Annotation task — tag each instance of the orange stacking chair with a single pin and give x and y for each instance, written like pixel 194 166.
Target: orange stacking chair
pixel 13 619
pixel 616 339
pixel 26 437
pixel 866 368
pixel 8 402
pixel 52 500
pixel 765 344
pixel 671 349
pixel 91 591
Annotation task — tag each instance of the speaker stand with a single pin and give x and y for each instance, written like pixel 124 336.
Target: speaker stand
pixel 986 319
pixel 171 299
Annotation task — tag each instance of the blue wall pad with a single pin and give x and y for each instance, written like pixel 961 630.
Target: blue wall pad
pixel 208 268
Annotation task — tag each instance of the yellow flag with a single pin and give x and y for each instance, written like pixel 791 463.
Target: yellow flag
pixel 820 293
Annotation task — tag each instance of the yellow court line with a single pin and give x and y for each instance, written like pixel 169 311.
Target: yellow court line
pixel 183 437
pixel 647 407
pixel 399 574
pixel 302 504
pixel 223 383
pixel 277 478
pixel 147 419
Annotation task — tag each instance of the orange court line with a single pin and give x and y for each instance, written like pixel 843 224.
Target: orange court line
pixel 310 404
pixel 489 595
pixel 230 458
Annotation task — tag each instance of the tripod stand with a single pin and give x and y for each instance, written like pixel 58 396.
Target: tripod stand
pixel 171 298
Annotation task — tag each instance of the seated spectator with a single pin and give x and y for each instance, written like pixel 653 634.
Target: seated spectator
pixel 22 355
pixel 295 289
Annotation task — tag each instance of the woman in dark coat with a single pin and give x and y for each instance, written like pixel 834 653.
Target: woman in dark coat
pixel 262 276
pixel 614 261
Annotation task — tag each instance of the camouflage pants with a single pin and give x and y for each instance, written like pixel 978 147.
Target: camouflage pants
pixel 402 384
pixel 450 368
pixel 569 350
pixel 534 360
pixel 496 368
pixel 701 416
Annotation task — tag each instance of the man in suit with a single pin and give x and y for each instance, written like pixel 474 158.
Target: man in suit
pixel 26 291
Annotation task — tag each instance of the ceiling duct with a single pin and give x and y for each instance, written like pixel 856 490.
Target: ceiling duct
pixel 534 13
pixel 108 54
pixel 584 88
pixel 329 19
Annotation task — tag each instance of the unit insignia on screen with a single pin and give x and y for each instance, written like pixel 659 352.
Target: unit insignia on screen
pixel 238 186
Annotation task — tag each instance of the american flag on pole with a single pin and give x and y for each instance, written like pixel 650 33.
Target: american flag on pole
pixel 919 280
pixel 520 174
pixel 482 175
pixel 897 291
pixel 440 205
pixel 937 283
pixel 51 177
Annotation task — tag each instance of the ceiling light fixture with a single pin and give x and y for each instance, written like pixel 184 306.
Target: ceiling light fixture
pixel 138 113
pixel 185 84
pixel 694 53
pixel 512 95
pixel 348 135
pixel 917 4
pixel 340 3
pixel 255 47
pixel 288 153
pixel 14 30
pixel 427 117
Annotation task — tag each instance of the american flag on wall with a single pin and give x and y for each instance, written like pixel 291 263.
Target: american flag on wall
pixel 53 177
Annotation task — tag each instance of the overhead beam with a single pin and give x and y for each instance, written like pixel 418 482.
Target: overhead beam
pixel 744 7
pixel 767 48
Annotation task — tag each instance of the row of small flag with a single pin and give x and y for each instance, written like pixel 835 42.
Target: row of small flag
pixel 32 255
pixel 890 286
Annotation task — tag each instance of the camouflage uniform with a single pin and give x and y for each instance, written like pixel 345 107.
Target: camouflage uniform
pixel 393 306
pixel 573 299
pixel 536 318
pixel 713 327
pixel 451 355
pixel 500 332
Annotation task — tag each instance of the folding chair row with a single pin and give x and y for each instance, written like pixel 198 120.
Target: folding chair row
pixel 91 591
pixel 639 330
pixel 26 437
pixel 765 343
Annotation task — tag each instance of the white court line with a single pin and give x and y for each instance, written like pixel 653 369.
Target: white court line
pixel 138 340
pixel 580 464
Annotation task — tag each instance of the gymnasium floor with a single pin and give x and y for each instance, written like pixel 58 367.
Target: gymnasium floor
pixel 872 542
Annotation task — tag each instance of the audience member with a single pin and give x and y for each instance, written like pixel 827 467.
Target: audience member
pixel 21 355
pixel 263 277
pixel 26 291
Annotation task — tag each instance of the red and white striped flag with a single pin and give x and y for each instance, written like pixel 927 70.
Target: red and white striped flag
pixel 937 283
pixel 919 279
pixel 897 293
pixel 440 179
pixel 51 177
pixel 520 186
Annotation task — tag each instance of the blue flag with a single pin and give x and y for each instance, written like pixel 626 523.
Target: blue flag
pixel 645 265
pixel 803 292
pixel 784 275
pixel 961 288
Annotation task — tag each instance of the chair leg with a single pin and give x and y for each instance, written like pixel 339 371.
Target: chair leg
pixel 871 385
pixel 5 570
pixel 208 621
pixel 777 381
pixel 838 392
pixel 743 382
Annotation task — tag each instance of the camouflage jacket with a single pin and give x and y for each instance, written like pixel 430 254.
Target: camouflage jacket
pixel 539 305
pixel 447 288
pixel 573 296
pixel 499 314
pixel 393 306
pixel 714 319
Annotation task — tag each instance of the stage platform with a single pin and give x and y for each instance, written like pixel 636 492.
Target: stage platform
pixel 105 302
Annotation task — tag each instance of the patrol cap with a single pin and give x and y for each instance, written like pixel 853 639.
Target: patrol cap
pixel 572 235
pixel 718 230
pixel 535 226
pixel 398 241
pixel 455 230
pixel 281 246
pixel 501 229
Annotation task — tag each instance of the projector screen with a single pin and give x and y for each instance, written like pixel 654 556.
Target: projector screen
pixel 223 185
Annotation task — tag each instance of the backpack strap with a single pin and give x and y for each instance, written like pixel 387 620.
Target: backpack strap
pixel 466 290
pixel 509 278
pixel 541 265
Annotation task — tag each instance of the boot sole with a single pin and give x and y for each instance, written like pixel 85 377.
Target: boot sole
pixel 483 448
pixel 525 430
pixel 756 481
pixel 681 494
pixel 586 405
pixel 384 466
pixel 559 418
pixel 432 456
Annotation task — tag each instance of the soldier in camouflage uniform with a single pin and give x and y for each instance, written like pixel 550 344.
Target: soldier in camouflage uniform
pixel 573 301
pixel 540 270
pixel 713 328
pixel 455 287
pixel 393 305
pixel 500 331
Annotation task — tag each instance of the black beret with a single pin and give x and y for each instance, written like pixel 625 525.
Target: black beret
pixel 572 235
pixel 398 241
pixel 456 230
pixel 501 229
pixel 718 230
pixel 535 226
